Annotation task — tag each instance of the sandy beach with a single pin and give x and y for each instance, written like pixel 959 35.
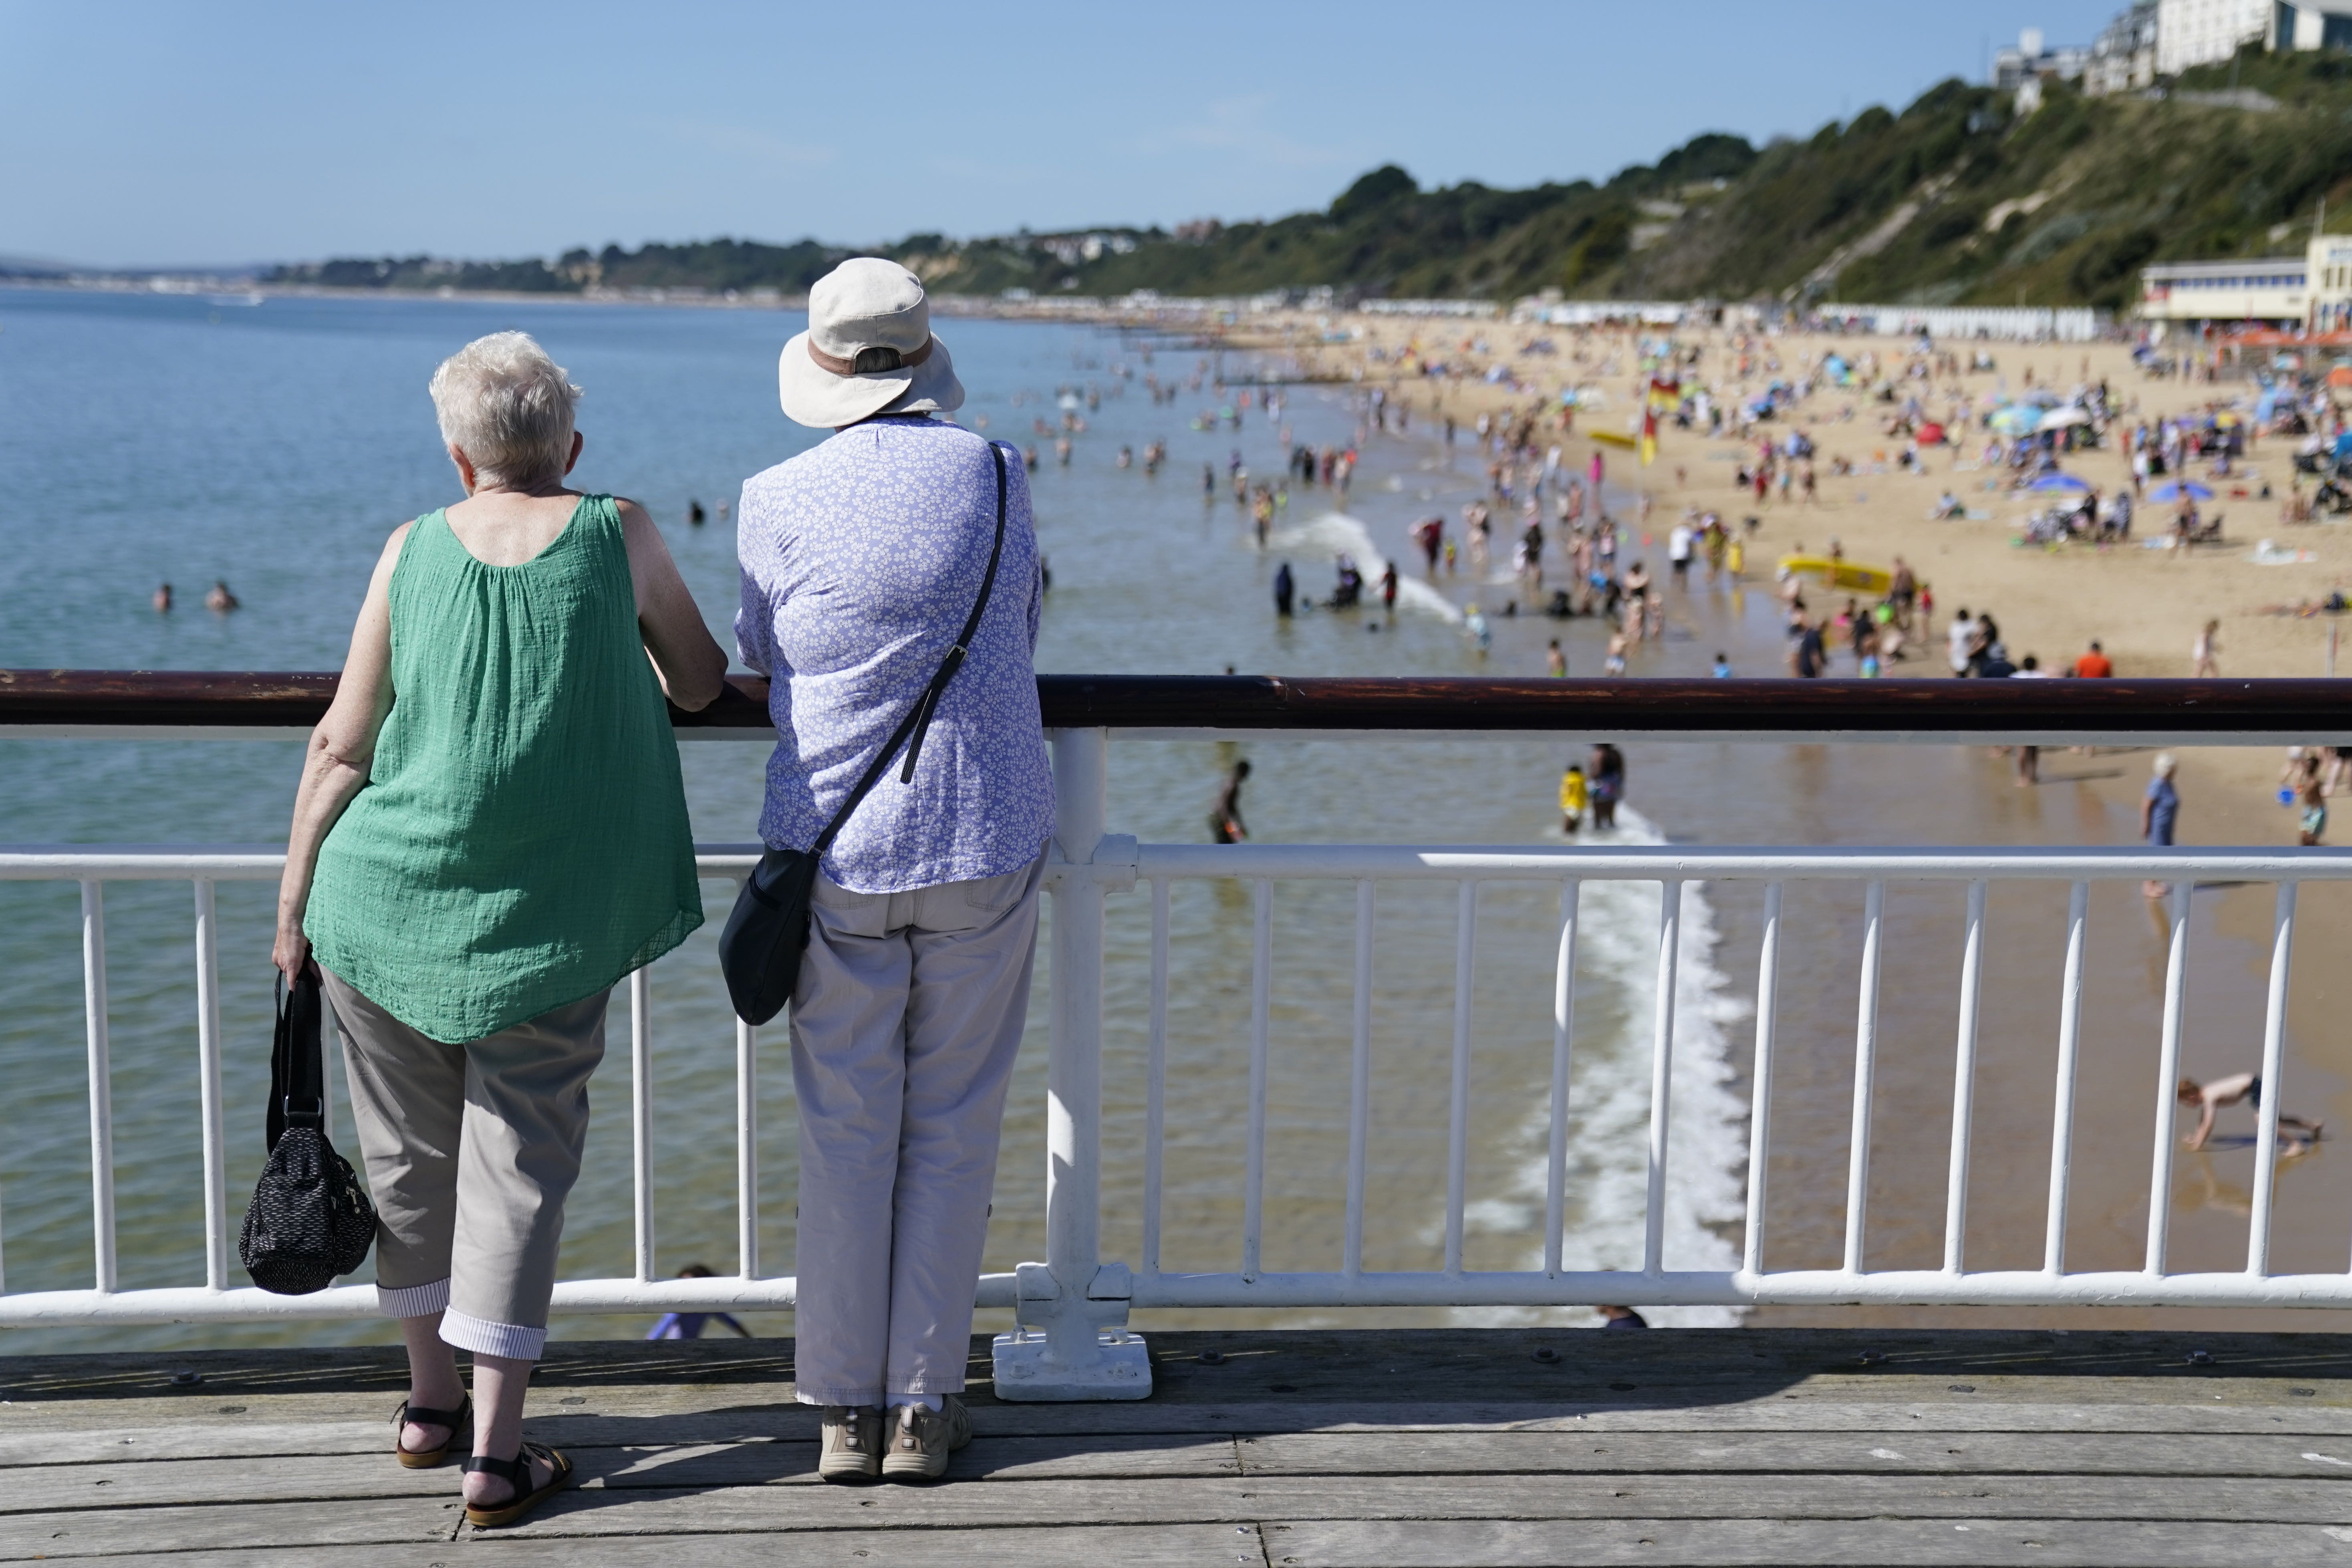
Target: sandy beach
pixel 2144 605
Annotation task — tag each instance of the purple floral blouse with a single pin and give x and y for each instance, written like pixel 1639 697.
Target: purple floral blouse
pixel 860 561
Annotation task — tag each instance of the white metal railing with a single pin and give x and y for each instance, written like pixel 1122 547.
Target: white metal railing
pixel 1074 1296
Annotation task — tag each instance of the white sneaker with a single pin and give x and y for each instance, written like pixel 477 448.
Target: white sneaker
pixel 851 1448
pixel 921 1439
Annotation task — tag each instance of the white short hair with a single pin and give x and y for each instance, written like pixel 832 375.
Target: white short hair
pixel 2165 764
pixel 508 408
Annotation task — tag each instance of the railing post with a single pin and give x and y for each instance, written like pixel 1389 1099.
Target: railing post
pixel 2070 1044
pixel 208 1087
pixel 101 1090
pixel 1076 1303
pixel 1964 1086
pixel 1661 1075
pixel 2258 1224
pixel 641 1119
pixel 1759 1116
pixel 747 1151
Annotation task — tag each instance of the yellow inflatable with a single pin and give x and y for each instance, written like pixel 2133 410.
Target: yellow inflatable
pixel 1875 581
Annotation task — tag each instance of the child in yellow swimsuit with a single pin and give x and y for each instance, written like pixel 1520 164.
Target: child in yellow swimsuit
pixel 1572 798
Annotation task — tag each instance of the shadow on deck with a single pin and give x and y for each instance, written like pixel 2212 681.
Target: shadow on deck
pixel 1296 1448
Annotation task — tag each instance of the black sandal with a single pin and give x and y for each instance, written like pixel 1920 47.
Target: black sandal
pixel 456 1421
pixel 516 1473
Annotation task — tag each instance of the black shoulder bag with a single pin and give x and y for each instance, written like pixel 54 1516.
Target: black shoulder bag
pixel 310 1218
pixel 759 950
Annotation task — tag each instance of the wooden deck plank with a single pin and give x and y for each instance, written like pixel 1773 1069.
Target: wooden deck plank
pixel 1831 1543
pixel 1848 1453
pixel 324 1478
pixel 78 1432
pixel 1695 1365
pixel 149 1483
pixel 1381 1447
pixel 151 1532
pixel 1130 1546
pixel 1212 1500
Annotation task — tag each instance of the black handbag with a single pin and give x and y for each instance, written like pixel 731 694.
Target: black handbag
pixel 767 930
pixel 310 1218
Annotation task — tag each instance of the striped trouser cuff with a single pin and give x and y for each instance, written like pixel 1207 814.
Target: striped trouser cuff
pixel 412 1301
pixel 483 1337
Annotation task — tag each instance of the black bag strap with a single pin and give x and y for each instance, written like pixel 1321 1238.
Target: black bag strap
pixel 918 722
pixel 297 1070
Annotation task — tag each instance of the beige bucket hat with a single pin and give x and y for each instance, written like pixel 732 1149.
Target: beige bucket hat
pixel 868 350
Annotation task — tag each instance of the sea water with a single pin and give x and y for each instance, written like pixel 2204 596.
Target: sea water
pixel 151 438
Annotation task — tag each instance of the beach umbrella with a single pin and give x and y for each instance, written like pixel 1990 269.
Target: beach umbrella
pixel 1930 434
pixel 2340 377
pixel 2172 490
pixel 2016 420
pixel 2059 482
pixel 2059 419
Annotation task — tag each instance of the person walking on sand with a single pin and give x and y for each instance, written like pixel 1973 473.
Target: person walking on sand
pixel 1225 825
pixel 1958 640
pixel 2314 825
pixel 1608 784
pixel 1574 796
pixel 2297 1135
pixel 2159 809
pixel 2203 665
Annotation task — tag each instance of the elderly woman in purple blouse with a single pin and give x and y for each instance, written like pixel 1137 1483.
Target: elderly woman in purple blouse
pixel 861 560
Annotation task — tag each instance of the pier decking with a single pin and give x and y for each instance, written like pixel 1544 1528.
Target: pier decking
pixel 1273 1449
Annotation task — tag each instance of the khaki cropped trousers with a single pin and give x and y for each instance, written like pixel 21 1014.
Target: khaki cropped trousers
pixel 905 1025
pixel 471 1151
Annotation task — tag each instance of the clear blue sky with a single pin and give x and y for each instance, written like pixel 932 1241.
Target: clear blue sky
pixel 166 133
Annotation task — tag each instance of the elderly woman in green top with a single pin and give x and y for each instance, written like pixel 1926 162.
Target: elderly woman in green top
pixel 490 831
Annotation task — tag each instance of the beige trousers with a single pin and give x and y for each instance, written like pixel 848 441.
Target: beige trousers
pixel 905 1025
pixel 470 1152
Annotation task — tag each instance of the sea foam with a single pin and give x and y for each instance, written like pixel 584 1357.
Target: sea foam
pixel 1608 1104
pixel 1336 533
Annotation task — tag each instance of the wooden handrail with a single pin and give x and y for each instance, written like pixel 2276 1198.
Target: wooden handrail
pixel 2311 707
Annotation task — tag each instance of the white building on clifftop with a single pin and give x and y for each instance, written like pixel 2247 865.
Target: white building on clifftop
pixel 2198 32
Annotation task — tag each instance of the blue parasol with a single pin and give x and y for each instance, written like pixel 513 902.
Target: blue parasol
pixel 2172 490
pixel 2059 482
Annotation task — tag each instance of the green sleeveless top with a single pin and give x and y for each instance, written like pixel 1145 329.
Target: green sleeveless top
pixel 522 841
